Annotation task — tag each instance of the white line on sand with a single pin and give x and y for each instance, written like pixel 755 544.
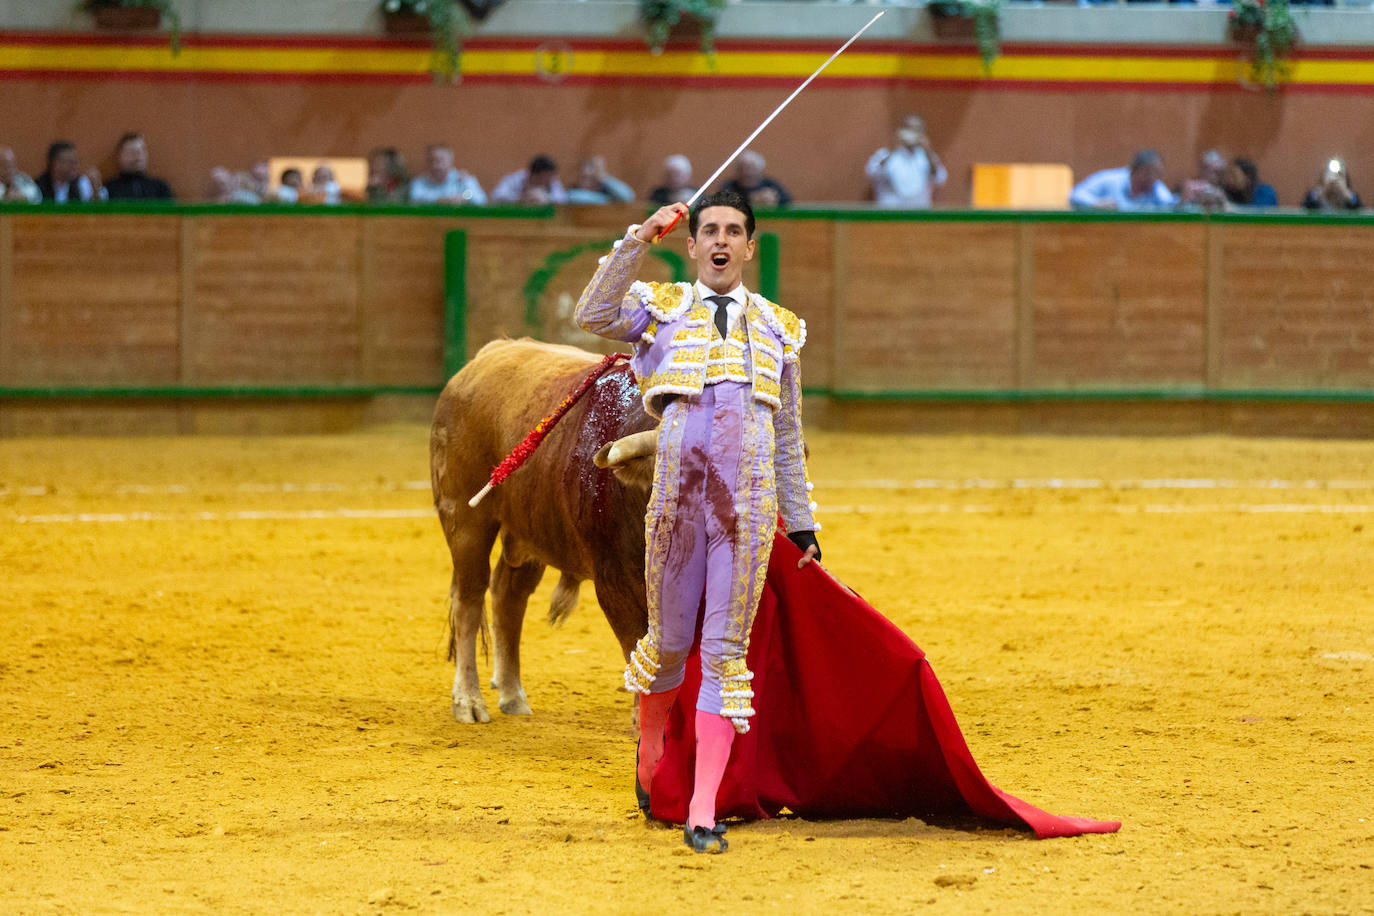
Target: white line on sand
pixel 851 509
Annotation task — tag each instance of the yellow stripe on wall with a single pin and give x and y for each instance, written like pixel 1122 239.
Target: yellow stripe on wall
pixel 614 63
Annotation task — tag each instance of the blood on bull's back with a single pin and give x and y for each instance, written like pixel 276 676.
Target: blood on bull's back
pixel 558 510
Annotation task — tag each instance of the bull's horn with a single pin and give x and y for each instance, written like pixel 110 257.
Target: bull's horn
pixel 636 445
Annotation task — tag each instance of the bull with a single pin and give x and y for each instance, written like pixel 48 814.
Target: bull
pixel 577 505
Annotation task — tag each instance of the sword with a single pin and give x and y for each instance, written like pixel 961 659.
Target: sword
pixel 766 121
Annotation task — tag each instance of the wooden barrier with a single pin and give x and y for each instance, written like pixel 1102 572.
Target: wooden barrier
pixel 178 305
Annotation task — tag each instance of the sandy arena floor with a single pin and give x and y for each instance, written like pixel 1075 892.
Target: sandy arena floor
pixel 225 691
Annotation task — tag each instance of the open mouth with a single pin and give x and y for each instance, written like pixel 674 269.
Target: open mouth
pixel 720 259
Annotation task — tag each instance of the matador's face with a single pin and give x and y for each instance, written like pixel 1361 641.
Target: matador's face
pixel 721 247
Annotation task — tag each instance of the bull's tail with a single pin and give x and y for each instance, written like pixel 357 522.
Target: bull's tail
pixel 564 598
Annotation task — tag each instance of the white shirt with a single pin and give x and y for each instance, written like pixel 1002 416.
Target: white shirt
pixel 82 188
pixel 456 186
pixel 903 177
pixel 1112 187
pixel 733 310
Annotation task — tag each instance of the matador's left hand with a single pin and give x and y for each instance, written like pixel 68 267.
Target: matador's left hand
pixel 806 540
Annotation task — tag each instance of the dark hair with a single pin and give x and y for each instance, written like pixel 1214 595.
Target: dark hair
pixel 285 172
pixel 1146 157
pixel 540 164
pixel 130 137
pixel 723 199
pixel 58 148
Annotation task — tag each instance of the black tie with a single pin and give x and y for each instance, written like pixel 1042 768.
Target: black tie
pixel 722 314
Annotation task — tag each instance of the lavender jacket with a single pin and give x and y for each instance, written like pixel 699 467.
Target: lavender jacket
pixel 676 352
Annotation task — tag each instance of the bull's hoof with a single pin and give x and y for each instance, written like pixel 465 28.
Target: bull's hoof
pixel 516 705
pixel 470 711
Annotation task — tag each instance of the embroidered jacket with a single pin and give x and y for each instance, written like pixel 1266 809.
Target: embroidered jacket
pixel 678 352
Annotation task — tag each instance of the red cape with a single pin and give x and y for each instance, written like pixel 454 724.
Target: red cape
pixel 850 721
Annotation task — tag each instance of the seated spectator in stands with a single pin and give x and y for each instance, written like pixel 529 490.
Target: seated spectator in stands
pixel 677 184
pixel 442 183
pixel 1139 186
pixel 905 176
pixel 388 182
pixel 133 181
pixel 1333 193
pixel 761 191
pixel 262 179
pixel 535 185
pixel 1206 190
pixel 595 186
pixel 1243 188
pixel 226 187
pixel 290 186
pixel 63 181
pixel 324 189
pixel 15 186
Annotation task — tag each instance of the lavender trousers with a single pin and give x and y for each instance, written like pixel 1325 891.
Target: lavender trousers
pixel 709 531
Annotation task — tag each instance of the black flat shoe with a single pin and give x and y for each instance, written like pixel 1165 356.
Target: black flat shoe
pixel 642 797
pixel 711 842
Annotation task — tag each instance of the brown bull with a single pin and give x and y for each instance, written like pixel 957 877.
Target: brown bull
pixel 559 510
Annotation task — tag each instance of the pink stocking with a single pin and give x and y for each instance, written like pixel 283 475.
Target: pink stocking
pixel 715 734
pixel 653 716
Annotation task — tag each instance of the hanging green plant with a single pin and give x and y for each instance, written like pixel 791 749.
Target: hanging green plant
pixel 1269 27
pixel 447 23
pixel 662 17
pixel 136 14
pixel 952 18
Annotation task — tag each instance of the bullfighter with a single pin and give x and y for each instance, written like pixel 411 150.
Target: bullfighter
pixel 718 365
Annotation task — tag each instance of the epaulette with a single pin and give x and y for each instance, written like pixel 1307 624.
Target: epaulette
pixel 665 301
pixel 784 323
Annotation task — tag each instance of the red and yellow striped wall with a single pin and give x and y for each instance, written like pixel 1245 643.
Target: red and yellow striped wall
pixel 735 64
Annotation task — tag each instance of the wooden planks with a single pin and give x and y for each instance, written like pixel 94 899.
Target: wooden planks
pixel 928 305
pixel 274 300
pixel 93 300
pixel 893 306
pixel 1117 304
pixel 1296 307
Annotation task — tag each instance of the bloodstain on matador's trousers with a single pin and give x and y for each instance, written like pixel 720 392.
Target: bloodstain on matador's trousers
pixel 709 532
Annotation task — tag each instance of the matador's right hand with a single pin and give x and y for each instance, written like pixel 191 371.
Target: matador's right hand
pixel 659 222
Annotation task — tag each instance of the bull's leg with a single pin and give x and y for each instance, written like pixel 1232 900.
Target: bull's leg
pixel 511 587
pixel 471 572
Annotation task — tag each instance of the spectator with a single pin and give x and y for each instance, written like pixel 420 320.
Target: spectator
pixel 133 181
pixel 754 186
pixel 262 179
pixel 63 180
pixel 1243 188
pixel 1206 189
pixel 1139 186
pixel 289 189
pixel 323 188
pixel 1333 192
pixel 677 184
pixel 536 185
pixel 442 183
pixel 226 187
pixel 906 175
pixel 15 186
pixel 595 186
pixel 388 182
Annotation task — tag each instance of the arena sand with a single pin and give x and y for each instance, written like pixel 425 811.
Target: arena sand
pixel 225 691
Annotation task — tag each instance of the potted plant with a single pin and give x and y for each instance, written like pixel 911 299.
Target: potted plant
pixel 1270 30
pixel 978 19
pixel 126 15
pixel 445 21
pixel 665 17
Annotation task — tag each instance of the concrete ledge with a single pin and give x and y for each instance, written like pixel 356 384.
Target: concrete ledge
pixel 764 19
